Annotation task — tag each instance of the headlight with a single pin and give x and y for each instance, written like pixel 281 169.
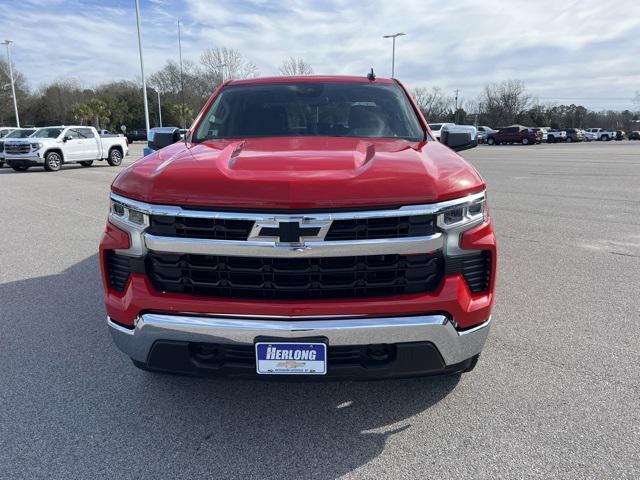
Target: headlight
pixel 36 146
pixel 467 214
pixel 128 214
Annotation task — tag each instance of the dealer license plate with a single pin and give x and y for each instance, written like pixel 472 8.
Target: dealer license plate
pixel 286 358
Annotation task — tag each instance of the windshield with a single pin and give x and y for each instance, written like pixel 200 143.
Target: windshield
pixel 21 133
pixel 311 109
pixel 47 132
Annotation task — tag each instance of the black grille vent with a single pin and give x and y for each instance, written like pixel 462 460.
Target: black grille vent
pixel 119 269
pixel 475 268
pixel 376 228
pixel 17 148
pixel 1 147
pixel 356 229
pixel 294 279
pixel 351 355
pixel 209 228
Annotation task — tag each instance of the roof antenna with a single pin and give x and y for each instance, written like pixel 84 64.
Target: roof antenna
pixel 371 76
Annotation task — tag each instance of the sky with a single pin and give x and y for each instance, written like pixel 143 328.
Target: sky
pixel 584 52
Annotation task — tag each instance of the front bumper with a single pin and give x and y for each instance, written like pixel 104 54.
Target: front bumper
pixel 422 345
pixel 26 160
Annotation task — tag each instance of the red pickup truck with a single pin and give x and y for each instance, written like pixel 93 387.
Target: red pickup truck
pixel 515 134
pixel 305 226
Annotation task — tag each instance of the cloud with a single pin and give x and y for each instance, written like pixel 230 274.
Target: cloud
pixel 566 52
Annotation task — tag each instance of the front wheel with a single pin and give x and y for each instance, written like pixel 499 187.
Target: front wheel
pixel 52 162
pixel 87 163
pixel 605 138
pixel 1 164
pixel 491 141
pixel 20 168
pixel 525 141
pixel 569 140
pixel 115 157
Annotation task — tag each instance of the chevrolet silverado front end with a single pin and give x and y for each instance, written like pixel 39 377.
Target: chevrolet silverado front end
pixel 307 226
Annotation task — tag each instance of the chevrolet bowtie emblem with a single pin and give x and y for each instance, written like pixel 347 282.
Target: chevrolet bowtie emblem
pixel 291 231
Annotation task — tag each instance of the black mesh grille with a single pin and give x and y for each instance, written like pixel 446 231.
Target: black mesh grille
pixel 475 268
pixel 209 228
pixel 357 229
pixel 375 228
pixel 17 148
pixel 1 147
pixel 292 279
pixel 119 269
pixel 351 355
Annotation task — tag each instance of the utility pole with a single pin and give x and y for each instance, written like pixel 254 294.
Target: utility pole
pixel 393 51
pixel 455 113
pixel 159 108
pixel 184 119
pixel 13 86
pixel 144 81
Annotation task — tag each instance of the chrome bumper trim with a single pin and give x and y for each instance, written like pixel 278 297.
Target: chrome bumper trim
pixel 401 246
pixel 409 210
pixel 454 346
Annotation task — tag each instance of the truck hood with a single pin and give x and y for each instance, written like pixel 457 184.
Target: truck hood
pixel 299 173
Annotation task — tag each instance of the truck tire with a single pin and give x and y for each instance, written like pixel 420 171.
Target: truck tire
pixel 568 140
pixel 491 141
pixel 52 162
pixel 1 164
pixel 20 168
pixel 551 139
pixel 88 163
pixel 115 157
pixel 525 141
pixel 606 138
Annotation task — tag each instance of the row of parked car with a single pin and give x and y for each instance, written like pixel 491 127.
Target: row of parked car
pixel 51 147
pixel 533 135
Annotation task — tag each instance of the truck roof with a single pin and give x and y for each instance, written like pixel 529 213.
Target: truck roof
pixel 310 79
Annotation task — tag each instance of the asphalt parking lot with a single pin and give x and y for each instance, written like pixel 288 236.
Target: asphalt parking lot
pixel 555 394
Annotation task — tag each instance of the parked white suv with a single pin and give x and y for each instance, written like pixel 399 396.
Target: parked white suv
pixel 51 147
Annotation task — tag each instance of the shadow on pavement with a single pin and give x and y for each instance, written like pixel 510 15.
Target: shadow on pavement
pixel 72 395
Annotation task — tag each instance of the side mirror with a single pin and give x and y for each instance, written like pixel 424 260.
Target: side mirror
pixel 459 137
pixel 161 137
pixel 66 138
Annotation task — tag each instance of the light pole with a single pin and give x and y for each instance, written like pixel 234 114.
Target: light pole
pixel 393 51
pixel 13 87
pixel 144 81
pixel 222 66
pixel 159 108
pixel 184 117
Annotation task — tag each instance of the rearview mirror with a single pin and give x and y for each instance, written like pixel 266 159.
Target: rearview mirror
pixel 459 137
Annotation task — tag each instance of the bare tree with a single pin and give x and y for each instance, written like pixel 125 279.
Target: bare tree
pixel 295 66
pixel 433 104
pixel 505 103
pixel 221 64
